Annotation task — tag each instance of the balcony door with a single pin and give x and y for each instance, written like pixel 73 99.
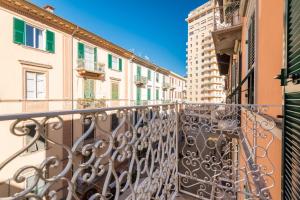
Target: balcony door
pixel 89 58
pixel 290 78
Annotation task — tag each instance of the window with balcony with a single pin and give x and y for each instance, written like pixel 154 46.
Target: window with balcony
pixel 35 85
pixel 89 58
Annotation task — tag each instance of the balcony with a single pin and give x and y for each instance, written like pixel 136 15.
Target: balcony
pixel 90 70
pixel 163 151
pixel 90 103
pixel 166 86
pixel 228 27
pixel 140 81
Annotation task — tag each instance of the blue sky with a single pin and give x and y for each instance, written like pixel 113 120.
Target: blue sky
pixel 152 28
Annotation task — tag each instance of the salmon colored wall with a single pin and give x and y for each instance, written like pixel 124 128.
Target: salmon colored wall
pixel 270 51
pixel 270 27
pixel 244 60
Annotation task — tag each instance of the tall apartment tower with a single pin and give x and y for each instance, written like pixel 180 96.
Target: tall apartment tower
pixel 204 83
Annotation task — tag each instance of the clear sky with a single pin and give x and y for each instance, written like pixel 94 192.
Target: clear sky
pixel 152 28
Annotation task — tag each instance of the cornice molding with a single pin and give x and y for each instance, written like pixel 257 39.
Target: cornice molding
pixel 32 11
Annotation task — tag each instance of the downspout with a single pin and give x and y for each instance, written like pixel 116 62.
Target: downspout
pixel 72 85
pixel 154 85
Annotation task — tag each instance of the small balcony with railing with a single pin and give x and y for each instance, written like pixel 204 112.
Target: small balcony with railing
pixel 166 86
pixel 90 69
pixel 162 151
pixel 228 25
pixel 140 81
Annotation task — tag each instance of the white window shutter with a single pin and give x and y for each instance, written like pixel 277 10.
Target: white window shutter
pixel 41 86
pixel 30 85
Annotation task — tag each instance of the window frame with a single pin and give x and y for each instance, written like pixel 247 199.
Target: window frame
pixel 43 45
pixel 45 73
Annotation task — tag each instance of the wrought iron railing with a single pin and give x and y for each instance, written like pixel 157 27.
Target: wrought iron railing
pixel 209 151
pixel 227 16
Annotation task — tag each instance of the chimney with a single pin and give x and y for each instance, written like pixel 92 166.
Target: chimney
pixel 49 8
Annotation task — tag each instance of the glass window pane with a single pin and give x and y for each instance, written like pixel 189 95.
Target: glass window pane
pixel 115 63
pixel 41 86
pixel 30 85
pixel 29 36
pixel 89 58
pixel 38 38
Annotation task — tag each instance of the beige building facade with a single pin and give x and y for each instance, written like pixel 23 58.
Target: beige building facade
pixel 204 83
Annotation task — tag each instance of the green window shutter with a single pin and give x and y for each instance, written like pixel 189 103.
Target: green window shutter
pixel 80 50
pixel 149 74
pixel 138 94
pixel 95 55
pixel 19 31
pixel 157 94
pixel 120 64
pixel 114 91
pixel 89 89
pixel 109 61
pixel 149 94
pixel 50 41
pixel 138 71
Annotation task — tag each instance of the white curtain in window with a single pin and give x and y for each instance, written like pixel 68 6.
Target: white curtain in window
pixel 89 58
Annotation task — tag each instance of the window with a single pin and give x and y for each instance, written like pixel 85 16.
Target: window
pixel 251 42
pixel 157 77
pixel 30 181
pixel 29 35
pixel 115 91
pixel 149 94
pixel 114 121
pixel 114 62
pixel 149 75
pixel 40 144
pixel 157 94
pixel 89 89
pixel 35 85
pixel 34 37
pixel 89 58
pixel 86 125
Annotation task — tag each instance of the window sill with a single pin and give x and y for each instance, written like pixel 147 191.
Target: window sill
pixel 114 70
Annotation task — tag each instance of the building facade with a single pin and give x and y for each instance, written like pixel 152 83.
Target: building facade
pixel 56 65
pixel 250 56
pixel 204 83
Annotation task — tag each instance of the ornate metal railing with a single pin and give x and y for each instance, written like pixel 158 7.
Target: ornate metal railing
pixel 227 16
pixel 117 153
pixel 224 151
pixel 209 151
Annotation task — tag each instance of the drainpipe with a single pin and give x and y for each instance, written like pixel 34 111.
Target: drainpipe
pixel 154 85
pixel 72 84
pixel 131 79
